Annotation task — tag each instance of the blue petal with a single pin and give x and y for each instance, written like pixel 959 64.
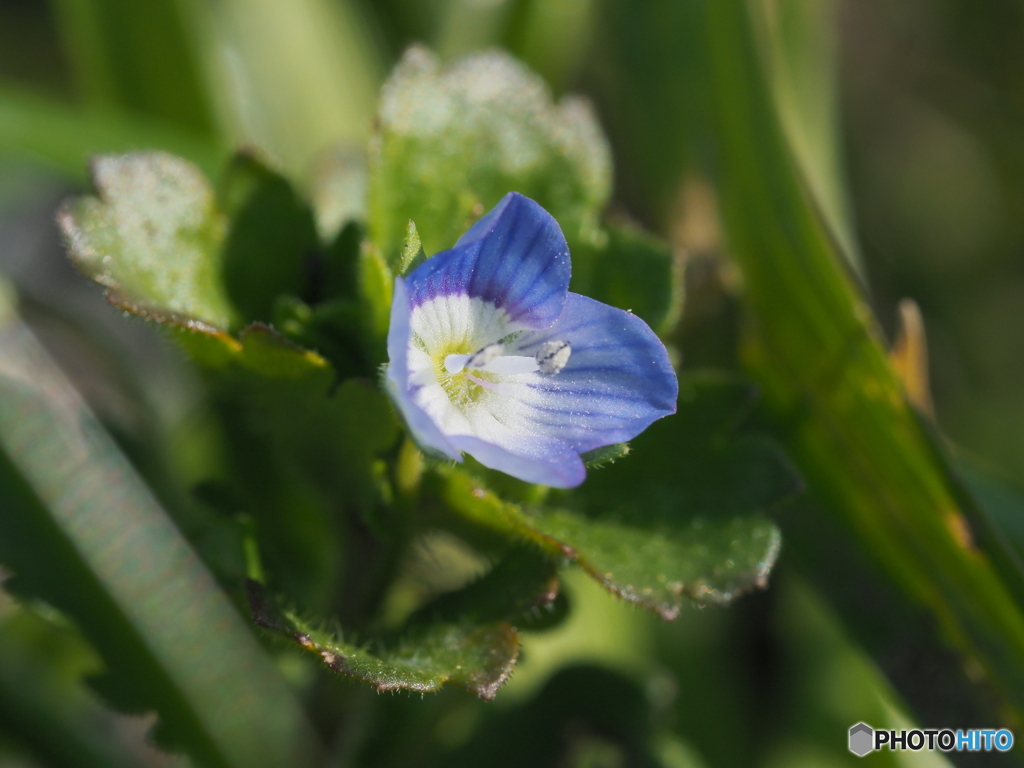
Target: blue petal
pixel 423 429
pixel 532 458
pixel 617 381
pixel 515 257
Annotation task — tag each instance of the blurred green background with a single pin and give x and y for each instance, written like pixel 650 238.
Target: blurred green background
pixel 907 119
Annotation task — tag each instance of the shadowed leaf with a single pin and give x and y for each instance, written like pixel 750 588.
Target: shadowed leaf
pixel 81 531
pixel 271 244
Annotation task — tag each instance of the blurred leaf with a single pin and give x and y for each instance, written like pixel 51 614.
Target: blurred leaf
pixel 376 284
pixel 551 36
pixel 452 142
pixel 304 456
pixel 1001 499
pixel 800 40
pixel 58 719
pixel 338 191
pixel 135 55
pixel 153 236
pixel 647 66
pixel 295 77
pixel 867 459
pixel 81 531
pixel 695 463
pixel 271 242
pixel 584 716
pixel 65 137
pixel 477 658
pixel 635 271
pixel 517 589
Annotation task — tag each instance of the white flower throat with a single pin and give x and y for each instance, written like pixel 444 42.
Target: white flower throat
pixel 444 332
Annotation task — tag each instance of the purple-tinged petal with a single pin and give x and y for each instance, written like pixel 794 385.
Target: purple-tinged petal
pixel 424 431
pixel 515 258
pixel 618 379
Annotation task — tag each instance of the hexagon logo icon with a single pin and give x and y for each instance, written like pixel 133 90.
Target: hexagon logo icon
pixel 862 739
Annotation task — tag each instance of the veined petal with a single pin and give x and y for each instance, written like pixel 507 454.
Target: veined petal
pixel 530 457
pixel 514 258
pixel 424 429
pixel 617 381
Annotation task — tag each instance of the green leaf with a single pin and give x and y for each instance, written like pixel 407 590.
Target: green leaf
pixel 271 243
pixel 153 236
pixel 709 563
pixel 609 454
pixel 81 531
pixel 676 519
pixel 517 589
pixel 879 479
pixel 476 658
pixel 156 237
pixel 412 250
pixel 451 142
pixel 635 271
pixel 44 702
pixel 657 567
pixel 304 460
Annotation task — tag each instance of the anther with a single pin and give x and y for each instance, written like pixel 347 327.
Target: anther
pixel 553 356
pixel 482 357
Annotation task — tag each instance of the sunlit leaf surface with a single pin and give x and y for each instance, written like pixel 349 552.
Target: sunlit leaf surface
pixel 452 141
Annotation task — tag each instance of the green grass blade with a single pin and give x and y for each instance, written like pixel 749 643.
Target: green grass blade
pixel 819 357
pixel 127 54
pixel 65 137
pixel 293 77
pixel 80 530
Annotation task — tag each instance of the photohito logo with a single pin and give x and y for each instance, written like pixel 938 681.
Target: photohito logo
pixel 865 739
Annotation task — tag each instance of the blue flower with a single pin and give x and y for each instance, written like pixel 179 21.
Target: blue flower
pixel 491 355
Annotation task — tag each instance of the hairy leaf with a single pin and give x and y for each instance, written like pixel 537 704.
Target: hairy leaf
pixel 452 141
pixel 152 236
pixel 478 658
pixel 676 519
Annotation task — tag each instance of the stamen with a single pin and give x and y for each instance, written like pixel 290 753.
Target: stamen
pixel 553 356
pixel 486 384
pixel 482 357
pixel 509 365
